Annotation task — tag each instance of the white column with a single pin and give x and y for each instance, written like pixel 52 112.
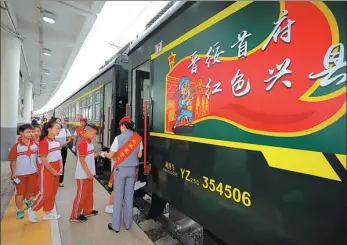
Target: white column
pixel 28 97
pixel 10 65
pixel 32 107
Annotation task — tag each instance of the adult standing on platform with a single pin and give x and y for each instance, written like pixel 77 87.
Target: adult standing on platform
pixel 126 150
pixel 64 139
pixel 78 133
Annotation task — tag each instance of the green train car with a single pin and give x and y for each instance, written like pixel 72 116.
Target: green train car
pixel 102 100
pixel 247 120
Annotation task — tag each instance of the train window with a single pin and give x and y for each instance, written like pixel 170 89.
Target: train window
pixel 82 109
pixel 77 109
pixel 90 107
pixel 73 111
pixel 97 105
pixel 90 100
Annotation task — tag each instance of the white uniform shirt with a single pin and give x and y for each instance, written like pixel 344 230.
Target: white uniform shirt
pixel 85 149
pixel 54 151
pixel 62 137
pixel 51 149
pixel 25 163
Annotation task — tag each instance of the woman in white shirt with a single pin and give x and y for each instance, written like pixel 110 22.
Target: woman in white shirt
pixel 64 139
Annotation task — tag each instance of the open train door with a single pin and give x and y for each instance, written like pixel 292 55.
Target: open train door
pixel 141 90
pixel 142 113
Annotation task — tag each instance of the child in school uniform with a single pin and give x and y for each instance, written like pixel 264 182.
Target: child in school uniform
pixel 64 139
pixel 37 134
pixel 23 157
pixel 50 169
pixel 85 171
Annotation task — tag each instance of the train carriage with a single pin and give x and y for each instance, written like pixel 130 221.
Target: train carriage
pixel 247 120
pixel 101 101
pixel 242 106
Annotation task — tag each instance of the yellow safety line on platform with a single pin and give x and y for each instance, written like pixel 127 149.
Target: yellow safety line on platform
pixel 299 161
pixel 23 232
pixel 342 159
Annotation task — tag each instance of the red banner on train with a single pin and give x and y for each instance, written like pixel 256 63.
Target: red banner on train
pixel 268 90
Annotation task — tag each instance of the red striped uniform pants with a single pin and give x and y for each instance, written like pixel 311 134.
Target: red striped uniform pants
pixel 84 201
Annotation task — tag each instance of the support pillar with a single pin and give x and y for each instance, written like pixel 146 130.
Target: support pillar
pixel 10 66
pixel 28 98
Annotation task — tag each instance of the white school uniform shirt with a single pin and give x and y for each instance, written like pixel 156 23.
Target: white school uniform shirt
pixel 25 164
pixel 62 137
pixel 85 149
pixel 52 151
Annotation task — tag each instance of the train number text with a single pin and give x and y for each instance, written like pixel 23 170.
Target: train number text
pixel 227 191
pixel 185 175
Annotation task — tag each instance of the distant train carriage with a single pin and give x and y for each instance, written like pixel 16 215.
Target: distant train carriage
pixel 101 101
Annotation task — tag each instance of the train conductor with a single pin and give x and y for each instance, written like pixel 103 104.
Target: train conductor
pixel 125 151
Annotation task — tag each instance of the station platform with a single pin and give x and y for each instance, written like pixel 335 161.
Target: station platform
pixel 63 232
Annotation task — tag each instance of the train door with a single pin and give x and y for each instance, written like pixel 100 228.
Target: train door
pixel 107 111
pixel 141 92
pixel 121 99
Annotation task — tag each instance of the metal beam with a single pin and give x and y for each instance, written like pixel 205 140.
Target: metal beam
pixel 8 29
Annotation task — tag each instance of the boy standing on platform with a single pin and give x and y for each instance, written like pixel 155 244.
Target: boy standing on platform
pixel 85 171
pixel 23 157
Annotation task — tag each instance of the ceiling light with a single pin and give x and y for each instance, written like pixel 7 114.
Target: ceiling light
pixel 47 51
pixel 45 71
pixel 48 17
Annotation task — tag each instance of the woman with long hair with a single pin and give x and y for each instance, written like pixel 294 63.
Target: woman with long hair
pixel 51 167
pixel 64 139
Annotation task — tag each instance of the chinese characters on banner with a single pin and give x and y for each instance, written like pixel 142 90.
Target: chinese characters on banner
pixel 211 84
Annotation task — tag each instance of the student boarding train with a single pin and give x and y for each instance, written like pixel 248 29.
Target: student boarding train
pixel 243 116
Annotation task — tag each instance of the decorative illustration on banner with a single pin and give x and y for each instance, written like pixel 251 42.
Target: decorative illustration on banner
pixel 287 86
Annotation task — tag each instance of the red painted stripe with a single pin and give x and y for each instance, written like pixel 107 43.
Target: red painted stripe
pixel 108 125
pixel 100 128
pixel 145 136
